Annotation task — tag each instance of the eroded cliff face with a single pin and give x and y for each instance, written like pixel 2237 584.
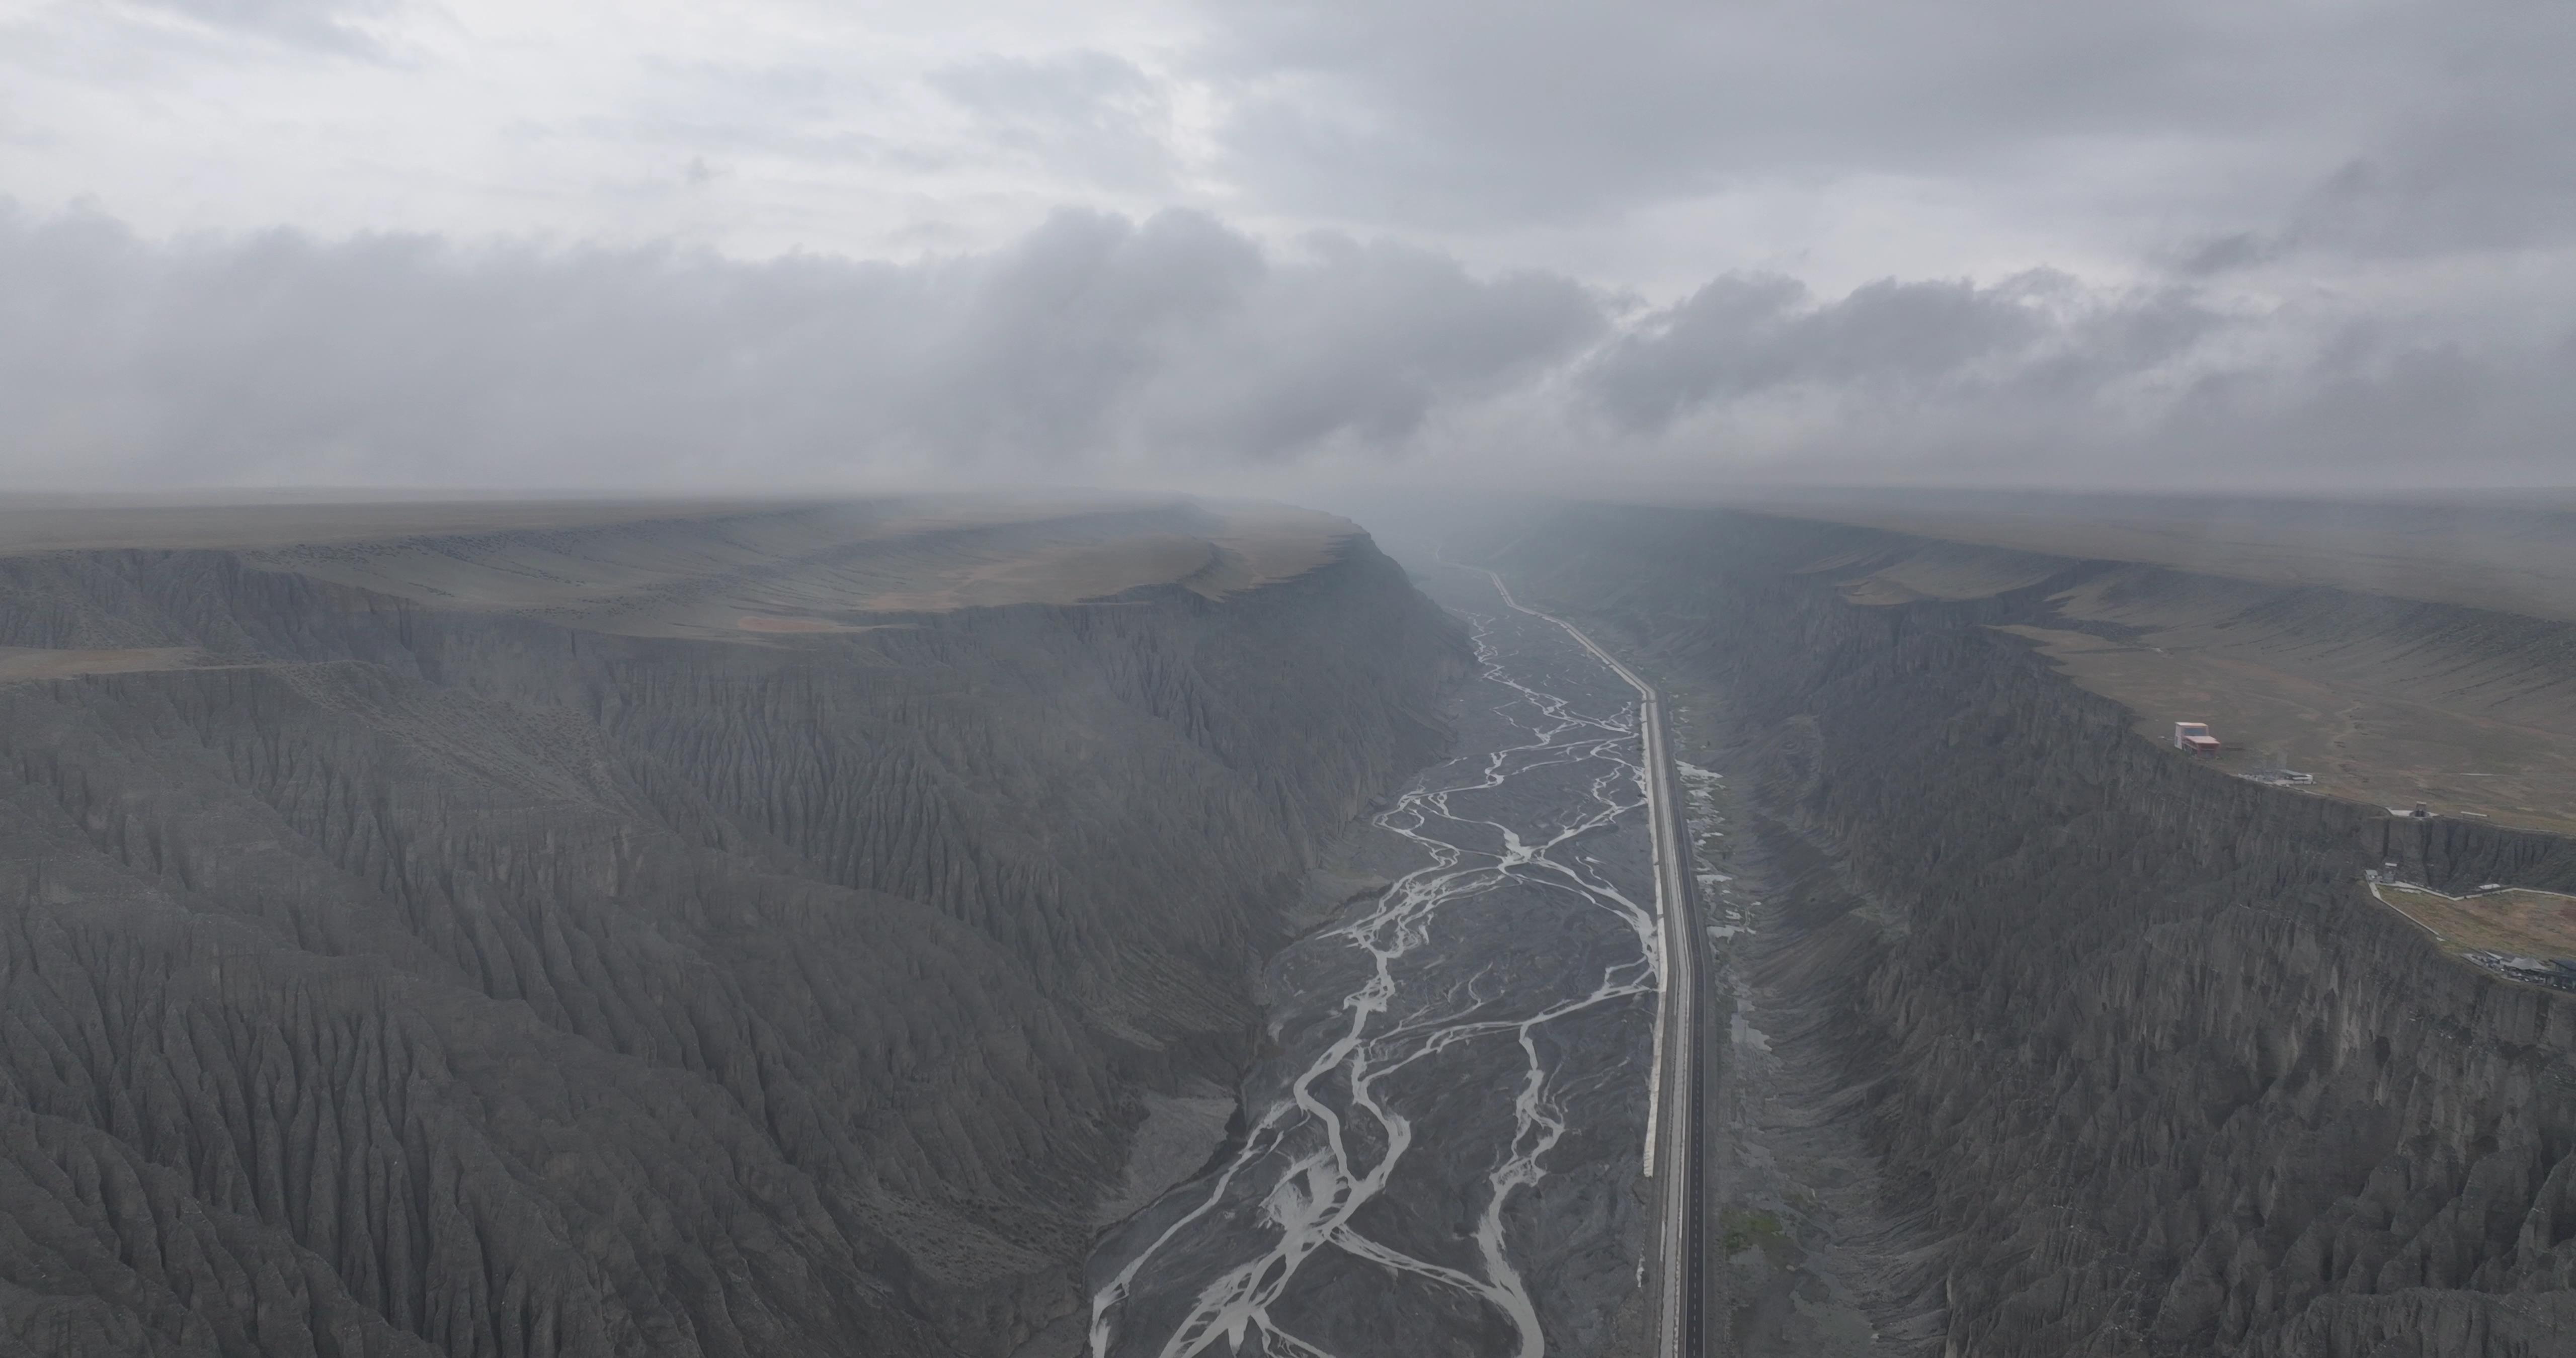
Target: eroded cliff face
pixel 385 979
pixel 2138 1055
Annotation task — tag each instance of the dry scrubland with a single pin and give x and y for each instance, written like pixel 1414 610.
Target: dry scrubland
pixel 643 929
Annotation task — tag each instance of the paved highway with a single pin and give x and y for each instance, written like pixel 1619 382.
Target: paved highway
pixel 1672 1158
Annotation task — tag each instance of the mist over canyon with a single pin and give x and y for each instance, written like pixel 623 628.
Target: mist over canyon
pixel 1195 679
pixel 1020 927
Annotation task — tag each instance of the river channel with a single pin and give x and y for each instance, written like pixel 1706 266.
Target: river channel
pixel 1437 1151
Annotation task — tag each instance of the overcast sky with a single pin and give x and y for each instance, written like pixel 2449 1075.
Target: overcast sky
pixel 1620 244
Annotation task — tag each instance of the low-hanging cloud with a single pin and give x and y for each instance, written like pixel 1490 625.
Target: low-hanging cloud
pixel 1094 345
pixel 1179 349
pixel 1745 334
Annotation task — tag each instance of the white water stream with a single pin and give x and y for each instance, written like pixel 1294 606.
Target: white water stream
pixel 1329 1146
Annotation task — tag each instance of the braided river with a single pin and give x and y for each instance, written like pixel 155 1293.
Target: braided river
pixel 1436 1150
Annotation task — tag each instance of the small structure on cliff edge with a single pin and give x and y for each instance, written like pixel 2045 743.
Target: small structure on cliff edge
pixel 2195 737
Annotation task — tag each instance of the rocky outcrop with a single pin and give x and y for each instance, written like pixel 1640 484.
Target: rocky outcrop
pixel 389 979
pixel 2128 1035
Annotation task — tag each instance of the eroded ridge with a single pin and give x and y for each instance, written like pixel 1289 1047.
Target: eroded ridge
pixel 1438 1049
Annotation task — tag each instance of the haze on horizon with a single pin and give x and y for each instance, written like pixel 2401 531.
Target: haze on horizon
pixel 2323 246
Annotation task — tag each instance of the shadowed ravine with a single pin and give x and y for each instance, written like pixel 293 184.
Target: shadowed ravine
pixel 1433 1154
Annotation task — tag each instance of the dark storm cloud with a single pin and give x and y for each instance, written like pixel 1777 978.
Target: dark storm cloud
pixel 1091 344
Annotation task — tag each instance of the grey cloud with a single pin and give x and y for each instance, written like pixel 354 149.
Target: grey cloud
pixel 2107 340
pixel 338 27
pixel 2226 252
pixel 1364 341
pixel 1080 117
pixel 2472 152
pixel 791 111
pixel 2043 380
pixel 1096 348
pixel 2466 186
pixel 2446 124
pixel 1091 343
pixel 1749 333
pixel 1092 115
pixel 1445 110
pixel 2469 182
pixel 1040 349
pixel 2378 409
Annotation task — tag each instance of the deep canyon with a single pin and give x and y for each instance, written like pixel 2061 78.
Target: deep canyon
pixel 2052 1039
pixel 1439 1146
pixel 783 930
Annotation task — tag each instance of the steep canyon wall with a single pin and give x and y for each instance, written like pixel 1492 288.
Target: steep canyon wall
pixel 2143 1061
pixel 386 978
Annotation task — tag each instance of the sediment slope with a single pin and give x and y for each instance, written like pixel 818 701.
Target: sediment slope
pixel 556 969
pixel 2131 1042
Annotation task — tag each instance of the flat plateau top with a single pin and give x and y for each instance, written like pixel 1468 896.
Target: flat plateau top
pixel 2517 555
pixel 744 570
pixel 2515 923
pixel 51 523
pixel 2385 701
